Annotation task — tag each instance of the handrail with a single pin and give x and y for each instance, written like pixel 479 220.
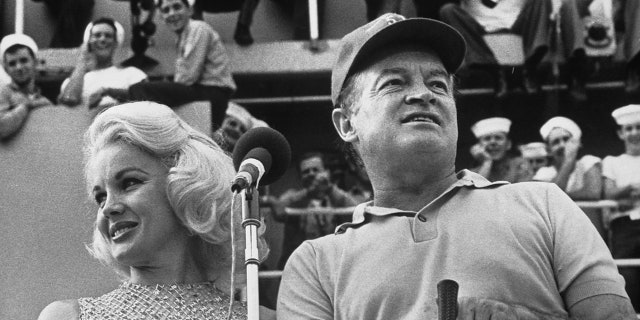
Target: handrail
pixel 597 204
pixel 320 211
pixel 275 274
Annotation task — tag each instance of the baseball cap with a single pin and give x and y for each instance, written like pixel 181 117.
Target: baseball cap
pixel 392 28
pixel 17 38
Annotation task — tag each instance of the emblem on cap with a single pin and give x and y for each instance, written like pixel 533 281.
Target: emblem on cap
pixel 389 18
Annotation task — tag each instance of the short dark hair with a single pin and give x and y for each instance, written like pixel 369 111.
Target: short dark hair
pixel 310 155
pixel 14 48
pixel 107 21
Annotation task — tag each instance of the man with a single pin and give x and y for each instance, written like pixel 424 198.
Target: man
pixel 318 191
pixel 531 20
pixel 622 183
pixel 236 122
pixel 579 177
pixel 521 251
pixel 202 69
pixel 535 154
pixel 492 152
pixel 21 96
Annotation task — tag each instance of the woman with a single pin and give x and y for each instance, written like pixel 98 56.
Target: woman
pixel 162 190
pixel 580 178
pixel 96 81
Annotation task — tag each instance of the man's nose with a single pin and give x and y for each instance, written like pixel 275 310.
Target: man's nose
pixel 420 95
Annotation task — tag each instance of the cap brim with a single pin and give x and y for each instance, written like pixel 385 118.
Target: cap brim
pixel 447 42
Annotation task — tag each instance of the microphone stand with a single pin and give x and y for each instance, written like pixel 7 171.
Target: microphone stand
pixel 251 223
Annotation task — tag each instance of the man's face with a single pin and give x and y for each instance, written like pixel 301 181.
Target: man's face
pixel 232 129
pixel 496 144
pixel 537 162
pixel 102 41
pixel 309 169
pixel 403 107
pixel 557 141
pixel 20 66
pixel 175 14
pixel 630 134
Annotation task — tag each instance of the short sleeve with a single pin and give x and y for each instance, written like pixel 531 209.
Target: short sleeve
pixel 582 262
pixel 301 294
pixel 135 75
pixel 608 164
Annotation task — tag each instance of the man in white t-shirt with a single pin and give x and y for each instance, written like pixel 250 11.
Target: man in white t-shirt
pixel 622 183
pixel 96 81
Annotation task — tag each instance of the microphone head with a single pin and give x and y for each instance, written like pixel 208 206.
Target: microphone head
pixel 275 145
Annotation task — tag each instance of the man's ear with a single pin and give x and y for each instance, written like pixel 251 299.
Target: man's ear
pixel 343 125
pixel 620 134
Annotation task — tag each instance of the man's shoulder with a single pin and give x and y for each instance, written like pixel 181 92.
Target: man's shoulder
pixel 533 189
pixel 198 26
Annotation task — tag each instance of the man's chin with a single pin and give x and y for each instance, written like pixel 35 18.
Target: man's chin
pixel 22 82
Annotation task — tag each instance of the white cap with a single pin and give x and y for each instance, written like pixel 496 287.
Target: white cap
pixel 491 125
pixel 533 150
pixel 560 122
pixel 242 115
pixel 17 38
pixel 119 33
pixel 627 115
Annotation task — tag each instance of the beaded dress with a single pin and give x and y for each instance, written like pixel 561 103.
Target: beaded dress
pixel 170 301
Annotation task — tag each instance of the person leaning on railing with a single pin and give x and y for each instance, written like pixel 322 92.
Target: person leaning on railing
pixel 622 183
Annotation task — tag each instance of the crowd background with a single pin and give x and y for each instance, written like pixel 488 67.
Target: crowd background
pixel 307 126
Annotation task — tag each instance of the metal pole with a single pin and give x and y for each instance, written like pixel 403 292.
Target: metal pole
pixel 19 25
pixel 251 223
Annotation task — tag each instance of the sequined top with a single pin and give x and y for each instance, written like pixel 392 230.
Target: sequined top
pixel 171 301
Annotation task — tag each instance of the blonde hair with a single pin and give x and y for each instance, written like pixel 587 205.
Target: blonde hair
pixel 198 181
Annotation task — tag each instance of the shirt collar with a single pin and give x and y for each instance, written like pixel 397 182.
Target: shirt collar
pixel 29 89
pixel 466 178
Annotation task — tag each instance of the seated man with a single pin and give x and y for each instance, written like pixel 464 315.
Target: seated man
pixel 531 20
pixel 535 154
pixel 580 178
pixel 202 70
pixel 622 183
pixel 492 152
pixel 18 98
pixel 95 80
pixel 236 122
pixel 317 191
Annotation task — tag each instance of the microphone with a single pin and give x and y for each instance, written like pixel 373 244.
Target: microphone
pixel 447 300
pixel 260 154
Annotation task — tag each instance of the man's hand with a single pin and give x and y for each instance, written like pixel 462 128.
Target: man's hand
pixel 86 59
pixel 479 153
pixel 95 98
pixel 571 149
pixel 37 102
pixel 487 309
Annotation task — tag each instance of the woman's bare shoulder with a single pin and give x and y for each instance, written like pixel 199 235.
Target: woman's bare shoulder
pixel 61 310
